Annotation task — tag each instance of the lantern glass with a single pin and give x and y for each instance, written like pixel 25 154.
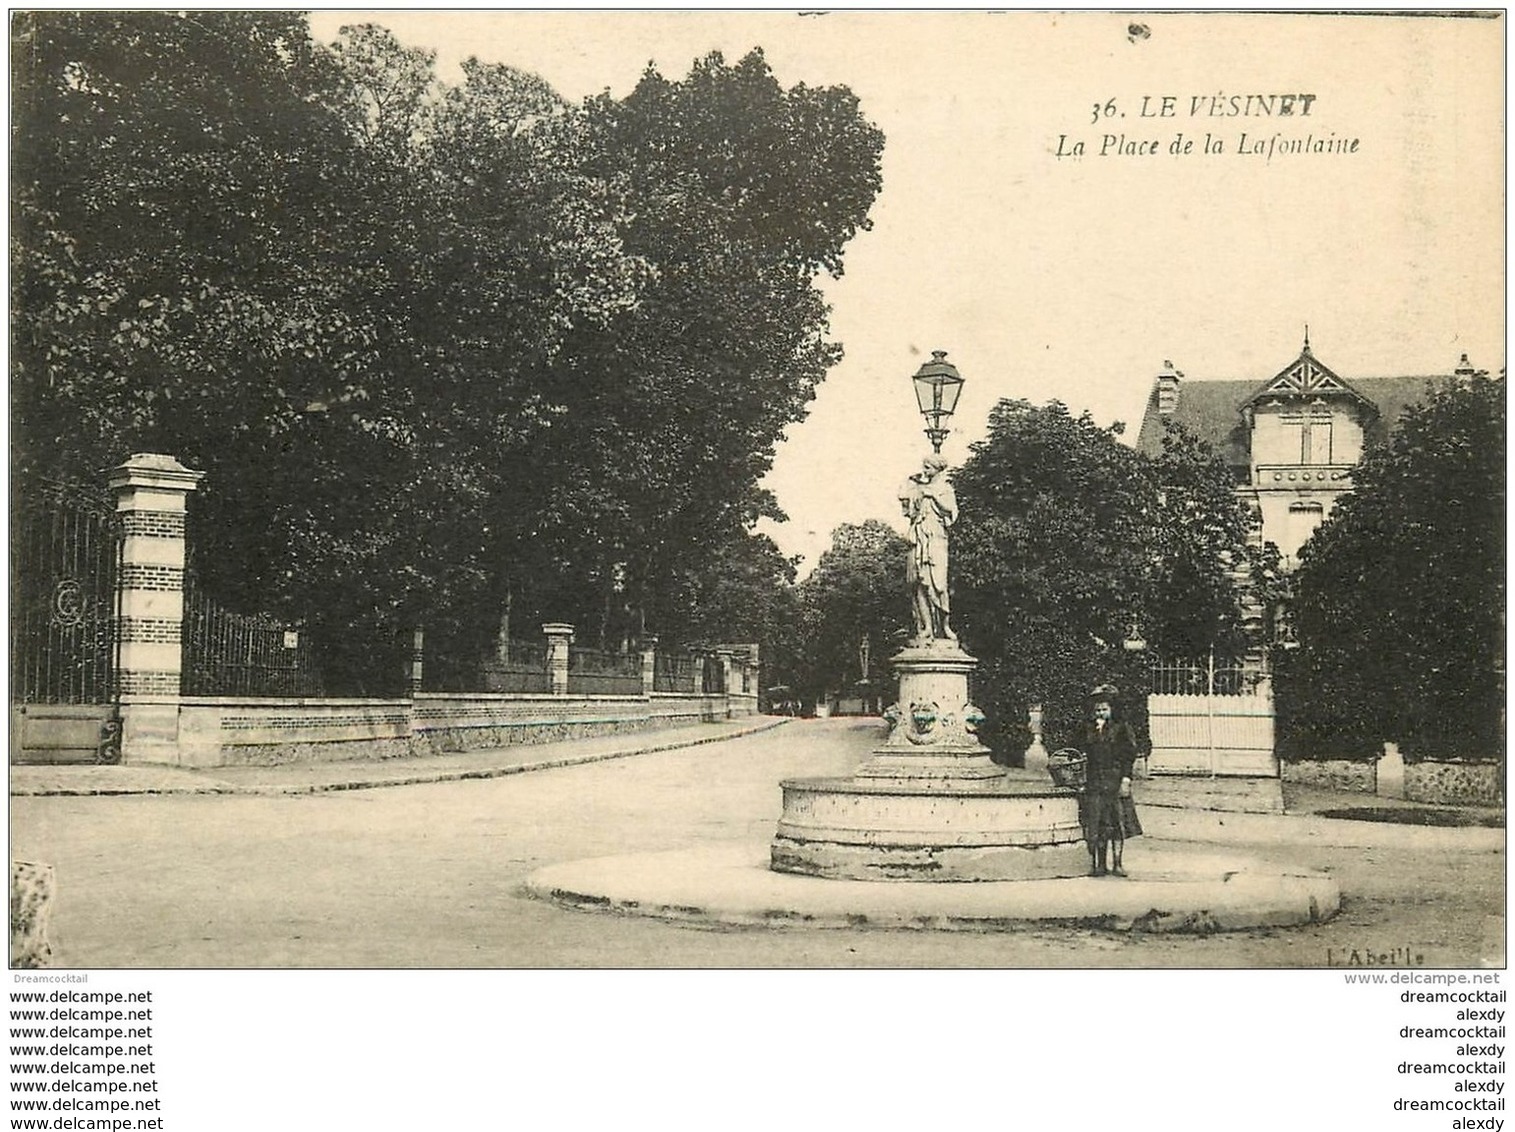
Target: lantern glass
pixel 937 385
pixel 948 392
pixel 925 394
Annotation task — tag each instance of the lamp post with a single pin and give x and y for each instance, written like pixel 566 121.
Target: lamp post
pixel 937 385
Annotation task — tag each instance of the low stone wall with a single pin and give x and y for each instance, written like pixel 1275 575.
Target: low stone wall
pixel 741 704
pixel 669 708
pixel 1355 775
pixel 235 731
pixel 459 722
pixel 1459 783
pixel 232 731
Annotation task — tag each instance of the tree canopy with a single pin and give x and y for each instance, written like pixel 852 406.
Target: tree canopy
pixel 1069 545
pixel 1400 594
pixel 856 591
pixel 437 347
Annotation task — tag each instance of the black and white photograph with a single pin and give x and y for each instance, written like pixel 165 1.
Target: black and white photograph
pixel 751 491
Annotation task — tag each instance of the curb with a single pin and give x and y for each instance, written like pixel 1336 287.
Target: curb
pixel 731 886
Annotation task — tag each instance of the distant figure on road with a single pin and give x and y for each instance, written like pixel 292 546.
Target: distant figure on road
pixel 930 504
pixel 1106 810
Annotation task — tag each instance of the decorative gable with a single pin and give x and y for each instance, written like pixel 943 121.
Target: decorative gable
pixel 1306 378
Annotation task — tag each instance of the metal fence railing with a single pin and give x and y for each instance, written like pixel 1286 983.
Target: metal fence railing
pixel 593 672
pixel 521 668
pixel 712 676
pixel 1204 676
pixel 451 665
pixel 238 654
pixel 227 653
pixel 674 672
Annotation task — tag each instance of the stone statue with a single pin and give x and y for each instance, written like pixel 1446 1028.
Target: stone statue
pixel 931 506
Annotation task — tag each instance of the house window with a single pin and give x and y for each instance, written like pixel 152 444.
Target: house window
pixel 1315 437
pixel 1312 427
pixel 1304 517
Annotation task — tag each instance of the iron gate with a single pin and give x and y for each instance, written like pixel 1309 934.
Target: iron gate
pixel 1212 716
pixel 65 553
pixel 65 557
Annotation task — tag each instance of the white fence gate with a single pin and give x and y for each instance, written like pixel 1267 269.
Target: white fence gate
pixel 1210 717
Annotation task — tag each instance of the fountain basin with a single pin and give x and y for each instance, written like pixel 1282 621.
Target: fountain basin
pixel 918 829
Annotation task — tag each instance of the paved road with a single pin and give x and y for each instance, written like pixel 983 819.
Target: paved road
pixel 430 875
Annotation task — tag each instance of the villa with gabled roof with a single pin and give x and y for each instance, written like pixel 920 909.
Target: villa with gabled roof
pixel 1291 440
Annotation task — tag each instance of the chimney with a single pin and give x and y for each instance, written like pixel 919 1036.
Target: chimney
pixel 1167 390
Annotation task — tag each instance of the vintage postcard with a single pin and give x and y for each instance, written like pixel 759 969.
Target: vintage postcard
pixel 505 490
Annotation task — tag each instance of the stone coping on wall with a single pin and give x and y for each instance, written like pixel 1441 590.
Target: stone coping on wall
pixel 293 701
pixel 400 701
pixel 544 697
pixel 1410 760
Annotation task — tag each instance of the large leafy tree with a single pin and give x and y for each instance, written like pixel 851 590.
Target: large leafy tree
pixel 220 253
pixel 748 596
pixel 856 591
pixel 159 277
pixel 1051 557
pixel 739 193
pixel 195 243
pixel 1399 597
pixel 1070 545
pixel 509 248
pixel 438 348
pixel 1204 567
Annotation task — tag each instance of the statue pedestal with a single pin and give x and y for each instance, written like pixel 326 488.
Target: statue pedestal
pixel 929 803
pixel 936 735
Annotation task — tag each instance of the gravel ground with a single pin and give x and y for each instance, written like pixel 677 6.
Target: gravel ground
pixel 430 876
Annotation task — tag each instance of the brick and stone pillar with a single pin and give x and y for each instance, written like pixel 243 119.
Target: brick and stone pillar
pixel 416 666
pixel 150 495
pixel 559 637
pixel 649 664
pixel 728 674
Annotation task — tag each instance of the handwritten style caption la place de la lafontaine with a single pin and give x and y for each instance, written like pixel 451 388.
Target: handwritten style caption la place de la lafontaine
pixel 1275 125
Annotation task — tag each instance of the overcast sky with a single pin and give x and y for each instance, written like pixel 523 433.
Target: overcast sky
pixel 1076 277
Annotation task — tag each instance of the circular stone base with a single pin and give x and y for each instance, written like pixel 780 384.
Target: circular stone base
pixel 1008 828
pixel 1172 888
pixel 836 861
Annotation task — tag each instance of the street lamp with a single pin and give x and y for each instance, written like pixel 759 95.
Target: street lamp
pixel 937 385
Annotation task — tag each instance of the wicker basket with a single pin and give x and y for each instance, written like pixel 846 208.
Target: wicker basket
pixel 1069 768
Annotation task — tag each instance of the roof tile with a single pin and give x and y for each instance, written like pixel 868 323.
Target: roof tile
pixel 1212 410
